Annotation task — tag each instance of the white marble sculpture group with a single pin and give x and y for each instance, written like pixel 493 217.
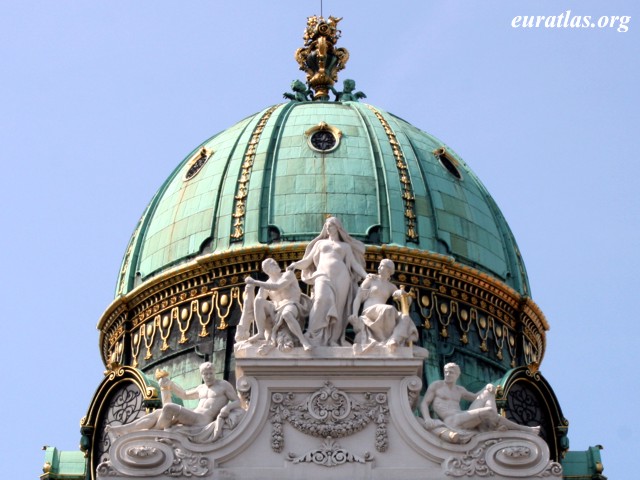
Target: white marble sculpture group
pixel 326 394
pixel 333 263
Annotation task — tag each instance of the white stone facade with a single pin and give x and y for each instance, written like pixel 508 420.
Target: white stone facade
pixel 329 414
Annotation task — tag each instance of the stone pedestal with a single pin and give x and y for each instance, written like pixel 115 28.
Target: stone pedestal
pixel 329 414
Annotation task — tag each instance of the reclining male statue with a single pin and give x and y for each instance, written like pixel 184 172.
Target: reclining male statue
pixel 456 425
pixel 218 408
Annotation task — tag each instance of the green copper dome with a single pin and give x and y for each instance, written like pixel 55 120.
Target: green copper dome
pixel 276 175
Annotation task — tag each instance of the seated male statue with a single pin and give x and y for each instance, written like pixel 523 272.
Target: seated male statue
pixel 218 403
pixel 278 309
pixel 455 425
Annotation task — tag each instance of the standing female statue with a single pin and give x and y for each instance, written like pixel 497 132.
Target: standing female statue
pixel 333 263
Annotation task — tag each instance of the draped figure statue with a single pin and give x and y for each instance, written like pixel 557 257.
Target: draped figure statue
pixel 333 263
pixel 380 323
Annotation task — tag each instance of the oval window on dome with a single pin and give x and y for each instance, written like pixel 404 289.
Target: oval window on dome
pixel 196 162
pixel 323 137
pixel 448 162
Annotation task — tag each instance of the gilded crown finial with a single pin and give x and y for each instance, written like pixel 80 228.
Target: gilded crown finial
pixel 319 58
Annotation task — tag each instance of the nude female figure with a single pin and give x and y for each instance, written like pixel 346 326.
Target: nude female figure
pixel 333 263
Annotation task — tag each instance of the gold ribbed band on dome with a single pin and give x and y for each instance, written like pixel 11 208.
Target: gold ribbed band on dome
pixel 408 197
pixel 180 307
pixel 242 189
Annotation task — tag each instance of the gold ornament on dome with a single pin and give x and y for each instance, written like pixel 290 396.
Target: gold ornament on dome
pixel 408 196
pixel 319 58
pixel 198 303
pixel 239 208
pixel 113 363
pixel 185 316
pixel 464 325
pixel 148 334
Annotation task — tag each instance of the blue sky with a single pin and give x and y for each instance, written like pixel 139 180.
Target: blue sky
pixel 101 99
